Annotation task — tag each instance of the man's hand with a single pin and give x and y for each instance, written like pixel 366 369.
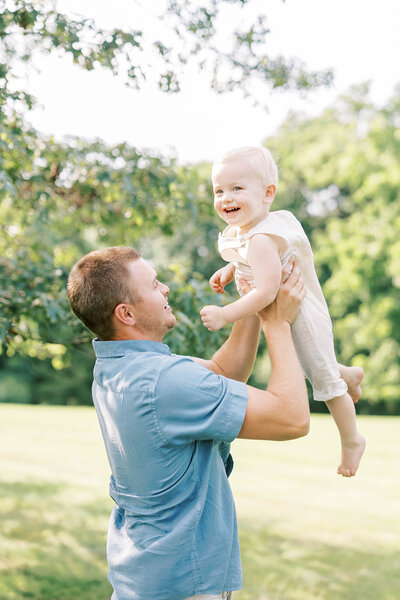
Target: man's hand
pixel 286 305
pixel 221 278
pixel 213 317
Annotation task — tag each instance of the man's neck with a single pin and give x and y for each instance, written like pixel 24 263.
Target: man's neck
pixel 136 335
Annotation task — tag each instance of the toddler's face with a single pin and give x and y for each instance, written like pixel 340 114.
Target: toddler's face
pixel 240 196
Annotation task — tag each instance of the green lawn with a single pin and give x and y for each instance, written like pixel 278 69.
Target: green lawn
pixel 306 534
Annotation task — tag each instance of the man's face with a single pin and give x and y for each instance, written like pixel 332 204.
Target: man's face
pixel 153 315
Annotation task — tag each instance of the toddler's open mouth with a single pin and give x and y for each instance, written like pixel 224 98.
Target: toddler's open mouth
pixel 233 209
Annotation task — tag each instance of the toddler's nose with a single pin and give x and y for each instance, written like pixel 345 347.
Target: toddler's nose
pixel 227 198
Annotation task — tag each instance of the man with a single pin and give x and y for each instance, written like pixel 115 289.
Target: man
pixel 167 421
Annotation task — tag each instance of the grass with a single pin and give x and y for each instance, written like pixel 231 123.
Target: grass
pixel 306 534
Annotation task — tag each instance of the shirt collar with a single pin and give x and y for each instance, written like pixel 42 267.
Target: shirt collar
pixel 119 348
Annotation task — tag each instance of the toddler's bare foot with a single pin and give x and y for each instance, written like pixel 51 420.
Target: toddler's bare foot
pixel 353 376
pixel 351 457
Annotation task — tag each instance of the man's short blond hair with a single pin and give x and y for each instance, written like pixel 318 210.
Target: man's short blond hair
pixel 261 158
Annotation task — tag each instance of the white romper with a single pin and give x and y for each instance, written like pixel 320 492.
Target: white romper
pixel 312 329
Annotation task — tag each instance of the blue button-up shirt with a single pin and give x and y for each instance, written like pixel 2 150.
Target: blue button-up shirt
pixel 166 421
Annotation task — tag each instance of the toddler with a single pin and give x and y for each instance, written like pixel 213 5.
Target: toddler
pixel 258 244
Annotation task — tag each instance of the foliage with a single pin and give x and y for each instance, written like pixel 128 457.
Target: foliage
pixel 191 35
pixel 59 200
pixel 338 173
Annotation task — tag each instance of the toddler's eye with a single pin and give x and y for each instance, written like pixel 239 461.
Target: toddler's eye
pixel 218 192
pixel 236 188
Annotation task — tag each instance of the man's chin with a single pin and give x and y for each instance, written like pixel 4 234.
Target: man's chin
pixel 172 322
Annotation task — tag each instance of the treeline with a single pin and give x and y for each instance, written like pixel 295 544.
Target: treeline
pixel 339 173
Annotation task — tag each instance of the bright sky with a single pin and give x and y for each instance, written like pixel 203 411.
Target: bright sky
pixel 359 39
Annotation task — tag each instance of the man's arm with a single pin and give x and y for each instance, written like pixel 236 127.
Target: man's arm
pixel 281 412
pixel 235 359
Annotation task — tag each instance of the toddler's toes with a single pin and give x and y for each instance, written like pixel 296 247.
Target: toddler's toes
pixel 341 470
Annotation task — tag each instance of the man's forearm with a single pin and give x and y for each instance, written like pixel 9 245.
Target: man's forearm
pixel 281 412
pixel 287 379
pixel 236 356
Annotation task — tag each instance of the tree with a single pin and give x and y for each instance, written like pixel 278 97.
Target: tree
pixel 28 26
pixel 59 200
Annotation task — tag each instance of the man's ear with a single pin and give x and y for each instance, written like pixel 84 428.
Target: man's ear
pixel 124 314
pixel 270 193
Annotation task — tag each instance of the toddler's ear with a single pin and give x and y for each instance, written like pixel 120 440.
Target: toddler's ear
pixel 270 193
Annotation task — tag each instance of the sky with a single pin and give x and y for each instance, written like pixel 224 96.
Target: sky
pixel 358 39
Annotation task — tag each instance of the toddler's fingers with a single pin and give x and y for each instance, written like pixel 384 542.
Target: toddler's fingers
pixel 224 281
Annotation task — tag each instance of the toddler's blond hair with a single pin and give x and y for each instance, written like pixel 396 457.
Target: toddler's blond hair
pixel 262 158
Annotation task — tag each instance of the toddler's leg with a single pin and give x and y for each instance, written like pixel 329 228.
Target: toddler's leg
pixel 353 443
pixel 353 376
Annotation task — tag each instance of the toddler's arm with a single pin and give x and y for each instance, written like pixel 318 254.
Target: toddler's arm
pixel 266 266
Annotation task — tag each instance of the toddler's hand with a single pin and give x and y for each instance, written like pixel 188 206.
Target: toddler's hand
pixel 213 317
pixel 221 278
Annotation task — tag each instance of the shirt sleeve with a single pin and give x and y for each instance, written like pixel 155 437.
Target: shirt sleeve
pixel 193 403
